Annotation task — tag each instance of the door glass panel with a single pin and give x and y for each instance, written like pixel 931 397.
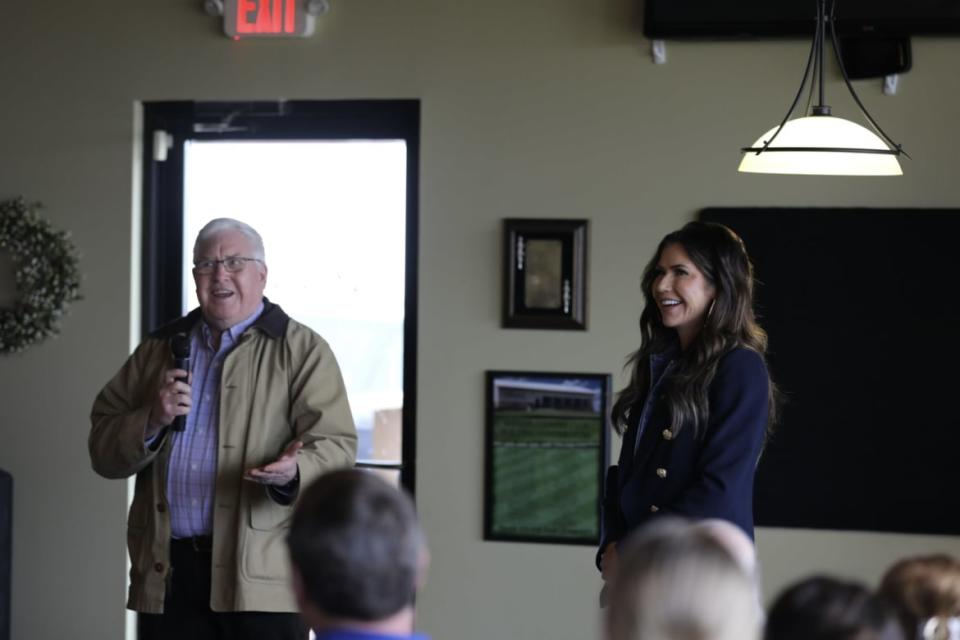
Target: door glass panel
pixel 332 218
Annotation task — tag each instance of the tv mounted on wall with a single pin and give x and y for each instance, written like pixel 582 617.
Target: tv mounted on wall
pixel 796 18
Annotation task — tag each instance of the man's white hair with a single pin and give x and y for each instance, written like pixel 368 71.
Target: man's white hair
pixel 218 225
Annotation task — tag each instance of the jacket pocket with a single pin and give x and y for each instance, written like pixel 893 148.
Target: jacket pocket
pixel 264 557
pixel 266 515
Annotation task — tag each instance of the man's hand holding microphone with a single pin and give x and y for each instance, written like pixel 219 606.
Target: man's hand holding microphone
pixel 172 401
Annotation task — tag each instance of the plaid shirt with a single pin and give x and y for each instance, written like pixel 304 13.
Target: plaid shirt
pixel 192 474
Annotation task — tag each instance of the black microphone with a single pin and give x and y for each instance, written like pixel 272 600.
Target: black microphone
pixel 180 347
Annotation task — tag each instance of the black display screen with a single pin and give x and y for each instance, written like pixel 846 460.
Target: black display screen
pixel 862 309
pixel 796 18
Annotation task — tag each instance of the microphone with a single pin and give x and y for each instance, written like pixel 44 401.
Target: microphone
pixel 180 347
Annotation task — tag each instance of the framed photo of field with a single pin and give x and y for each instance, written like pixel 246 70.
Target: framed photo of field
pixel 546 449
pixel 544 273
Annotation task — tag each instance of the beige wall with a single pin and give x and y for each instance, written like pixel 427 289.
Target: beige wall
pixel 533 108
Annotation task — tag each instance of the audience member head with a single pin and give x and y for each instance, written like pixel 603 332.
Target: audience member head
pixel 358 553
pixel 676 581
pixel 737 543
pixel 824 608
pixel 925 591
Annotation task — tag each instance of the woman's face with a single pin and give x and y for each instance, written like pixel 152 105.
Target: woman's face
pixel 682 293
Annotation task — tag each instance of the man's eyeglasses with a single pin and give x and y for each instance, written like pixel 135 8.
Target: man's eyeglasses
pixel 232 264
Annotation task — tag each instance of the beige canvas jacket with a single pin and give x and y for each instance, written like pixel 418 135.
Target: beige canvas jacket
pixel 280 382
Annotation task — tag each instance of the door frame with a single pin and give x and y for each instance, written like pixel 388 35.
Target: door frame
pixel 168 125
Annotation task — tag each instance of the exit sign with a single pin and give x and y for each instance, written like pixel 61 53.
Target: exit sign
pixel 267 19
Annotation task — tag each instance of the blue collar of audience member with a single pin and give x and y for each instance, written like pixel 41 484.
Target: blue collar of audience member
pixel 234 332
pixel 357 634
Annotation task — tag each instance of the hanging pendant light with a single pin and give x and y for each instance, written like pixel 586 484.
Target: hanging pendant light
pixel 820 143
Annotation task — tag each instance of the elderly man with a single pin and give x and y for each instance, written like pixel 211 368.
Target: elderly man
pixel 358 557
pixel 264 412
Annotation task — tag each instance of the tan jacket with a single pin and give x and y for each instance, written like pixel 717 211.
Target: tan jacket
pixel 281 382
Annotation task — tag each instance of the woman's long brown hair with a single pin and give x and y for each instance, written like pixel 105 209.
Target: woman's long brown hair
pixel 720 255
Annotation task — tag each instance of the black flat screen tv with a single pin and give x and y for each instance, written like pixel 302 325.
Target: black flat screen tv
pixel 665 19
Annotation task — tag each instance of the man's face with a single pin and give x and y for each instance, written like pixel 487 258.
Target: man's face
pixel 228 298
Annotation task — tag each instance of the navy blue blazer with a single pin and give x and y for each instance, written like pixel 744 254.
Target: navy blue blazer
pixel 706 477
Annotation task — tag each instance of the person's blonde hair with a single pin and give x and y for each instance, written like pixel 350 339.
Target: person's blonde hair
pixel 677 582
pixel 924 589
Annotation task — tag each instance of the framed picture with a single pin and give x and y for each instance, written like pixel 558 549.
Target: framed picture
pixel 546 450
pixel 545 273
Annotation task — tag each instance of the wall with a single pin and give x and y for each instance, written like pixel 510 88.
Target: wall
pixel 538 108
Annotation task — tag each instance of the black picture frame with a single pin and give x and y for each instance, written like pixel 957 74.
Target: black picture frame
pixel 544 273
pixel 546 449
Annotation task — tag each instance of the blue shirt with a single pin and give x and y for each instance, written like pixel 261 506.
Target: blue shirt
pixel 192 473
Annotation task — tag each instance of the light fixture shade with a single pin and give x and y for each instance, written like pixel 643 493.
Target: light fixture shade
pixel 820 132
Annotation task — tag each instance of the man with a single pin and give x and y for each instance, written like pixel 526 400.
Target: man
pixel 263 404
pixel 358 556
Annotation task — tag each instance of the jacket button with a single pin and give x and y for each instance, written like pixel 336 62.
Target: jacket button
pixel 161 507
pixel 667 434
pixel 158 567
pixel 654 508
pixel 661 473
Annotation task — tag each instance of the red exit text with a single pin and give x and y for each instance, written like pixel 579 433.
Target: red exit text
pixel 266 16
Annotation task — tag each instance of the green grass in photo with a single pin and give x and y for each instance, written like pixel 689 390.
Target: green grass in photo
pixel 545 471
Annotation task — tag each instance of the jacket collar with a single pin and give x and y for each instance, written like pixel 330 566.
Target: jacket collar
pixel 273 322
pixel 671 351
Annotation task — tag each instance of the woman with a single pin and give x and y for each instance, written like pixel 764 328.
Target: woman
pixel 925 590
pixel 700 401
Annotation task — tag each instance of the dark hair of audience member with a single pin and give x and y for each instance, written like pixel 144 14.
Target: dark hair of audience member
pixel 925 591
pixel 824 608
pixel 355 541
pixel 675 581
